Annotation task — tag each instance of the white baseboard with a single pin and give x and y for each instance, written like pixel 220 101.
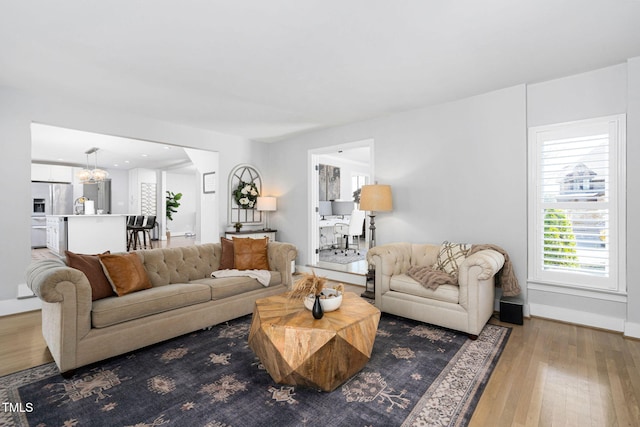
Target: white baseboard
pixel 578 317
pixel 25 292
pixel 632 330
pixel 15 306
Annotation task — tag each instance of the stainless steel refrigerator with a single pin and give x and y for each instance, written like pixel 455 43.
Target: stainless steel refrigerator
pixel 48 199
pixel 100 193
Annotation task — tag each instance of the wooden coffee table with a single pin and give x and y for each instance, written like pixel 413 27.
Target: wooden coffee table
pixel 297 349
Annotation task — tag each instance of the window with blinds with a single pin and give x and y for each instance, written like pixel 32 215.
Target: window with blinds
pixel 574 190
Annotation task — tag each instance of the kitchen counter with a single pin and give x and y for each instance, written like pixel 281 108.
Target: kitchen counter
pixel 87 234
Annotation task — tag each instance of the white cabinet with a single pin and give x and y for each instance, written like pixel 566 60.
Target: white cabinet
pixel 51 173
pixel 55 229
pixel 86 234
pixel 253 234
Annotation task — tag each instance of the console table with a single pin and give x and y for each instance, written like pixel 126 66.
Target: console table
pixel 253 234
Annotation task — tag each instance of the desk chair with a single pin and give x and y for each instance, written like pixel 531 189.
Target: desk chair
pixel 353 229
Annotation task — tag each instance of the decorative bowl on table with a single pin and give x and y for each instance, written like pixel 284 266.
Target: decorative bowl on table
pixel 330 300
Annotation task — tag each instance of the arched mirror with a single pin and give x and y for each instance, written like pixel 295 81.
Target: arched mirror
pixel 245 185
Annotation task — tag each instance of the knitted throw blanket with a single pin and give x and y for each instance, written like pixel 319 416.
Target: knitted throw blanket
pixel 431 278
pixel 505 278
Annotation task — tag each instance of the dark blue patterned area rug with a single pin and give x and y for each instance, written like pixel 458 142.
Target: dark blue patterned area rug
pixel 418 375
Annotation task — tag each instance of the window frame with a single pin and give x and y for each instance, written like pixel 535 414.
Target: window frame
pixel 616 204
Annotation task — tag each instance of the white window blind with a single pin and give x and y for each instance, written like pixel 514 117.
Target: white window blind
pixel 575 183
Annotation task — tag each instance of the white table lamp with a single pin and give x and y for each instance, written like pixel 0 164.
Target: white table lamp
pixel 266 204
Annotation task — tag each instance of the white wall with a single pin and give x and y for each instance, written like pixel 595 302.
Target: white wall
pixel 208 205
pixel 632 326
pixel 457 172
pixel 18 109
pixel 119 191
pixel 15 185
pixel 597 93
pixel 184 221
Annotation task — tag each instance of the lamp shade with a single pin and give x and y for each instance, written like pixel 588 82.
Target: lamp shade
pixel 266 204
pixel 376 198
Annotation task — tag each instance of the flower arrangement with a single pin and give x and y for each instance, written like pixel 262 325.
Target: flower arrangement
pixel 311 284
pixel 246 195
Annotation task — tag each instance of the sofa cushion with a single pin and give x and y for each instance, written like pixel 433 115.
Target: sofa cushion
pixel 450 257
pixel 405 284
pixel 111 311
pixel 224 287
pixel 250 254
pixel 91 267
pixel 125 272
pixel 226 259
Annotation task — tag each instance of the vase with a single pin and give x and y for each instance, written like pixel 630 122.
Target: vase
pixel 317 308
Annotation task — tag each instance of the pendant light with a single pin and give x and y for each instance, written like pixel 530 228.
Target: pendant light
pixel 91 176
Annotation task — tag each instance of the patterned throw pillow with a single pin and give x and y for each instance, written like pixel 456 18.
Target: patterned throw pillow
pixel 450 257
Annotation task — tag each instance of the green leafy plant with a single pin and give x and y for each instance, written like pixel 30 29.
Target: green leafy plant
pixel 559 240
pixel 172 203
pixel 356 195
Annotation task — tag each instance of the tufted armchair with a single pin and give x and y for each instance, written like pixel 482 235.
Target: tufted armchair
pixel 465 307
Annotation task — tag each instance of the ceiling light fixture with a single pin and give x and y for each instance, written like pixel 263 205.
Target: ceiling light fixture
pixel 92 176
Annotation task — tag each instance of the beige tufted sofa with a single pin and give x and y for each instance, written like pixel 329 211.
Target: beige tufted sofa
pixel 183 298
pixel 464 307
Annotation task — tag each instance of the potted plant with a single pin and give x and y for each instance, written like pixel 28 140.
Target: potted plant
pixel 172 206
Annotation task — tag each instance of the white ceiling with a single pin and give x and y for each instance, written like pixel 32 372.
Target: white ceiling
pixel 268 69
pixel 57 145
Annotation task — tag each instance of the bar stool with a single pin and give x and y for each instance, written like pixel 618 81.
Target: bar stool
pixel 149 223
pixel 131 220
pixel 133 241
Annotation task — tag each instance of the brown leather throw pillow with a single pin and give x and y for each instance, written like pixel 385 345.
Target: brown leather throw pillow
pixel 250 254
pixel 125 273
pixel 226 259
pixel 91 267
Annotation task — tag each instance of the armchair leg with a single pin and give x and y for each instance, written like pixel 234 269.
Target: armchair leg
pixel 472 337
pixel 68 374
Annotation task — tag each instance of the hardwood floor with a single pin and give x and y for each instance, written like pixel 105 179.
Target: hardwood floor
pixel 550 373
pixel 556 374
pixel 21 343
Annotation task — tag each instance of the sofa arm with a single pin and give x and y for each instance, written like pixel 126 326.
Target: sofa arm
pixel 476 279
pixel 66 308
pixel 281 255
pixel 489 261
pixel 388 260
pixel 44 276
